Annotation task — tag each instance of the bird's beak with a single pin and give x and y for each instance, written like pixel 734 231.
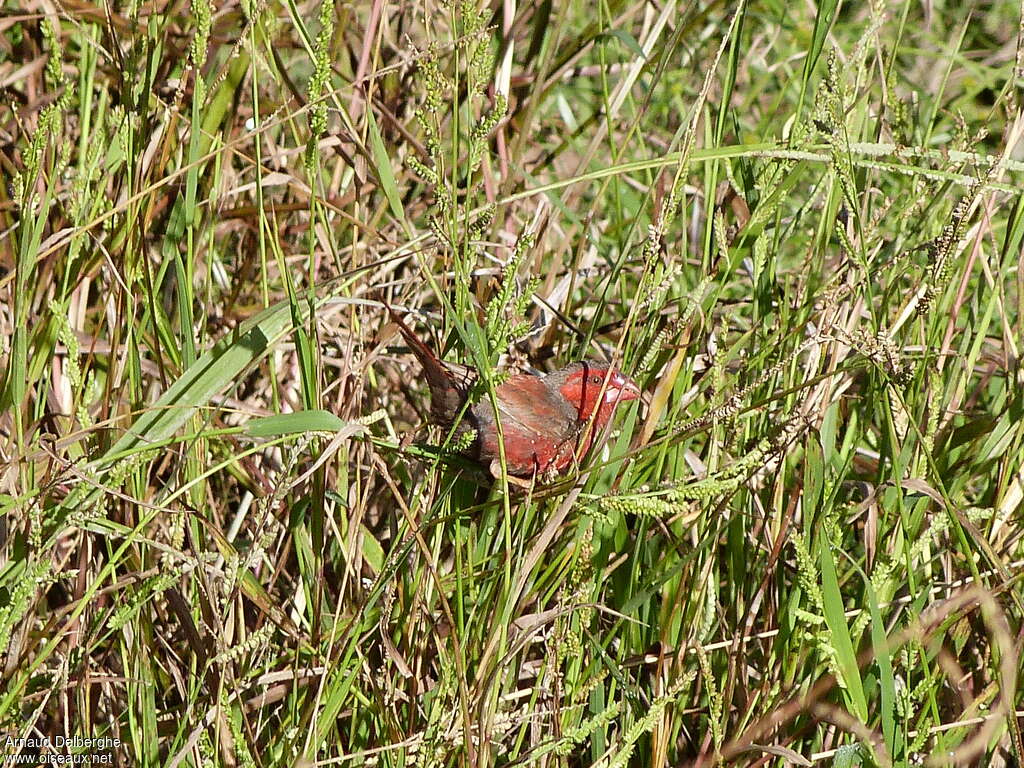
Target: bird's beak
pixel 620 389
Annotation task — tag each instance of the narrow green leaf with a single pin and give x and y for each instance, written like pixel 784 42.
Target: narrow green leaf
pixel 373 552
pixel 382 163
pixel 886 681
pixel 847 756
pixel 626 39
pixel 814 473
pixel 822 24
pixel 841 642
pixel 294 423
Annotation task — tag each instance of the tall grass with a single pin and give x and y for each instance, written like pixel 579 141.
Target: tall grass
pixel 228 537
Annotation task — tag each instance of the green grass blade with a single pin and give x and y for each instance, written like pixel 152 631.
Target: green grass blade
pixel 842 645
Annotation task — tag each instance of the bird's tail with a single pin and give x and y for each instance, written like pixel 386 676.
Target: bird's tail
pixel 439 378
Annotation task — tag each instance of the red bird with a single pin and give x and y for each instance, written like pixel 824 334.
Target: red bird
pixel 547 422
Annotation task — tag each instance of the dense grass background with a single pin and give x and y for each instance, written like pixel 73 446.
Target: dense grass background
pixel 226 537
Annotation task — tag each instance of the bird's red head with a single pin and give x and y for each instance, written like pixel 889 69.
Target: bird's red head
pixel 596 387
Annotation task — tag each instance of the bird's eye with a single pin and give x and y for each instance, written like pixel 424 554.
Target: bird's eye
pixel 595 379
